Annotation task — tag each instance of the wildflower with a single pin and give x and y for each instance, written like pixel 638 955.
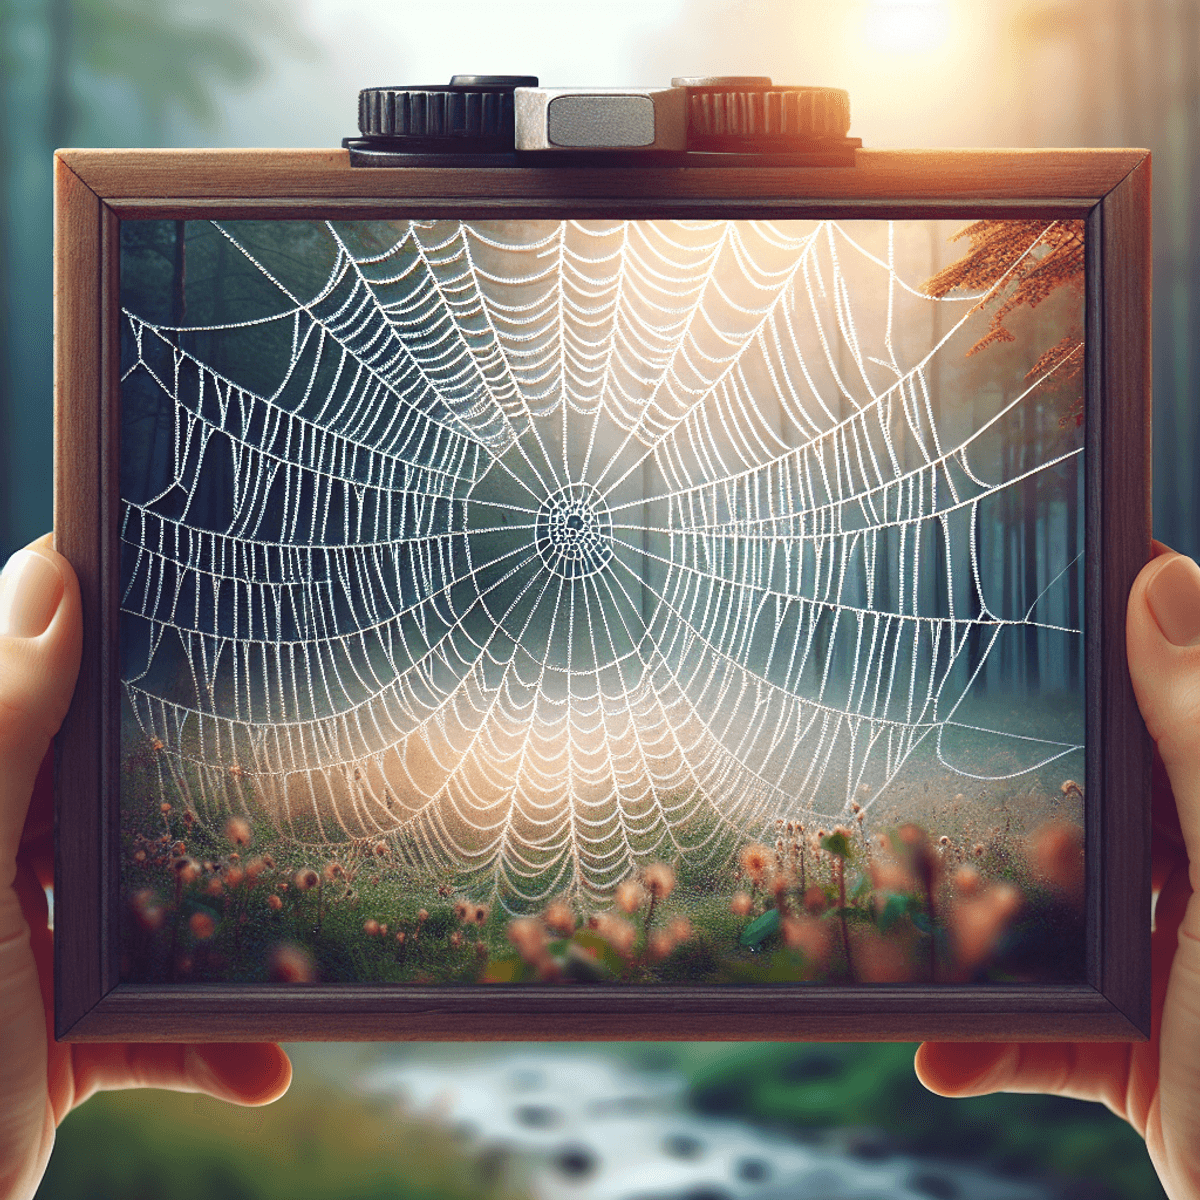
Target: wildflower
pixel 202 926
pixel 371 927
pixel 456 939
pixel 147 908
pixel 189 817
pixel 660 945
pixel 400 938
pixel 741 905
pixel 238 831
pixel 966 880
pixel 274 903
pixel 977 924
pixel 855 807
pixel 156 746
pixel 630 896
pixel 422 916
pixel 179 848
pixel 270 862
pixel 187 870
pixel 332 871
pixel 255 867
pixel 383 929
pixel 616 931
pixel 679 929
pixel 782 882
pixel 527 936
pixel 479 914
pixel 139 856
pixel 289 963
pixel 878 959
pixel 233 876
pixel 1056 856
pixel 943 841
pixel 755 860
pixel 215 887
pixel 306 879
pixel 236 772
pixel 810 937
pixel 659 880
pixel 381 848
pixel 977 849
pixel 559 918
pixel 1070 786
pixel 462 910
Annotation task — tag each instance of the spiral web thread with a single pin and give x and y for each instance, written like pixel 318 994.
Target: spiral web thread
pixel 558 546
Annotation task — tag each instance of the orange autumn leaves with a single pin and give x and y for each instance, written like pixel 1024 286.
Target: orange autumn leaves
pixel 1020 263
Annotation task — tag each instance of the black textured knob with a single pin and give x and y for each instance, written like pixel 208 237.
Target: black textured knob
pixel 748 113
pixel 471 111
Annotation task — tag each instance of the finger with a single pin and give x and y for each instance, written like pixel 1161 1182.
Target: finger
pixel 248 1073
pixel 40 637
pixel 1097 1071
pixel 960 1068
pixel 36 849
pixel 1162 633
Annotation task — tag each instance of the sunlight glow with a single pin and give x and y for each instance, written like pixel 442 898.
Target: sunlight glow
pixel 906 26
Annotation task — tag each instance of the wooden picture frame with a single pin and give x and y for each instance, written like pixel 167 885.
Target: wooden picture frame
pixel 1107 189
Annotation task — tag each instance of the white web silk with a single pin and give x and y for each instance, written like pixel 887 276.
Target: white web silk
pixel 557 546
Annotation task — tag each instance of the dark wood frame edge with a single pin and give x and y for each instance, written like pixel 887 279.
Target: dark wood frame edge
pixel 91 1006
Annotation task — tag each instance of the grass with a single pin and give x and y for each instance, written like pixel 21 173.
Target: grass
pixel 319 1141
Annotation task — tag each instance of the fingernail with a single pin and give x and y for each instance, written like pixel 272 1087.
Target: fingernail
pixel 1174 598
pixel 31 586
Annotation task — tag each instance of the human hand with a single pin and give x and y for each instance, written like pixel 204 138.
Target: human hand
pixel 1153 1085
pixel 41 1080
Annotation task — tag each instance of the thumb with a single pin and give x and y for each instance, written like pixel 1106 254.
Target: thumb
pixel 1162 637
pixel 40 639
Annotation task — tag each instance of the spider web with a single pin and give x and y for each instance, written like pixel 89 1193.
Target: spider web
pixel 542 548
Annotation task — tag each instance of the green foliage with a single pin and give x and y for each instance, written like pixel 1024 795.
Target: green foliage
pixel 761 928
pixel 838 843
pixel 173 54
pixel 146 1145
pixel 829 1086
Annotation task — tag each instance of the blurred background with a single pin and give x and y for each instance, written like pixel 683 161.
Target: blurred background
pixel 272 73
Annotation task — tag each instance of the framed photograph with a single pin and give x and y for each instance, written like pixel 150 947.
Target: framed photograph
pixel 594 602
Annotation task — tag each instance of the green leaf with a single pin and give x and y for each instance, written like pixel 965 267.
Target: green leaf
pixel 600 951
pixel 510 969
pixel 760 929
pixel 839 844
pixel 921 921
pixel 893 910
pixel 851 914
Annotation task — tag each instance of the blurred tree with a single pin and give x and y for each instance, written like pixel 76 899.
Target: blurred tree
pixel 1127 73
pixel 96 72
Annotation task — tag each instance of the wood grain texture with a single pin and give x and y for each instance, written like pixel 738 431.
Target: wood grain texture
pixel 95 189
pixel 82 966
pixel 1124 541
pixel 584 1013
pixel 889 175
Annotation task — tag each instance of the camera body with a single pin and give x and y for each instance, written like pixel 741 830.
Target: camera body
pixel 494 120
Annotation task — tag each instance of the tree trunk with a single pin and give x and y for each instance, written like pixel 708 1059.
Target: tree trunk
pixel 1029 555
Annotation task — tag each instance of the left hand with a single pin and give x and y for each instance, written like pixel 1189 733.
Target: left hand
pixel 41 1080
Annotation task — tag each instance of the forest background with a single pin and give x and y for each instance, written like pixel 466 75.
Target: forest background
pixel 920 73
